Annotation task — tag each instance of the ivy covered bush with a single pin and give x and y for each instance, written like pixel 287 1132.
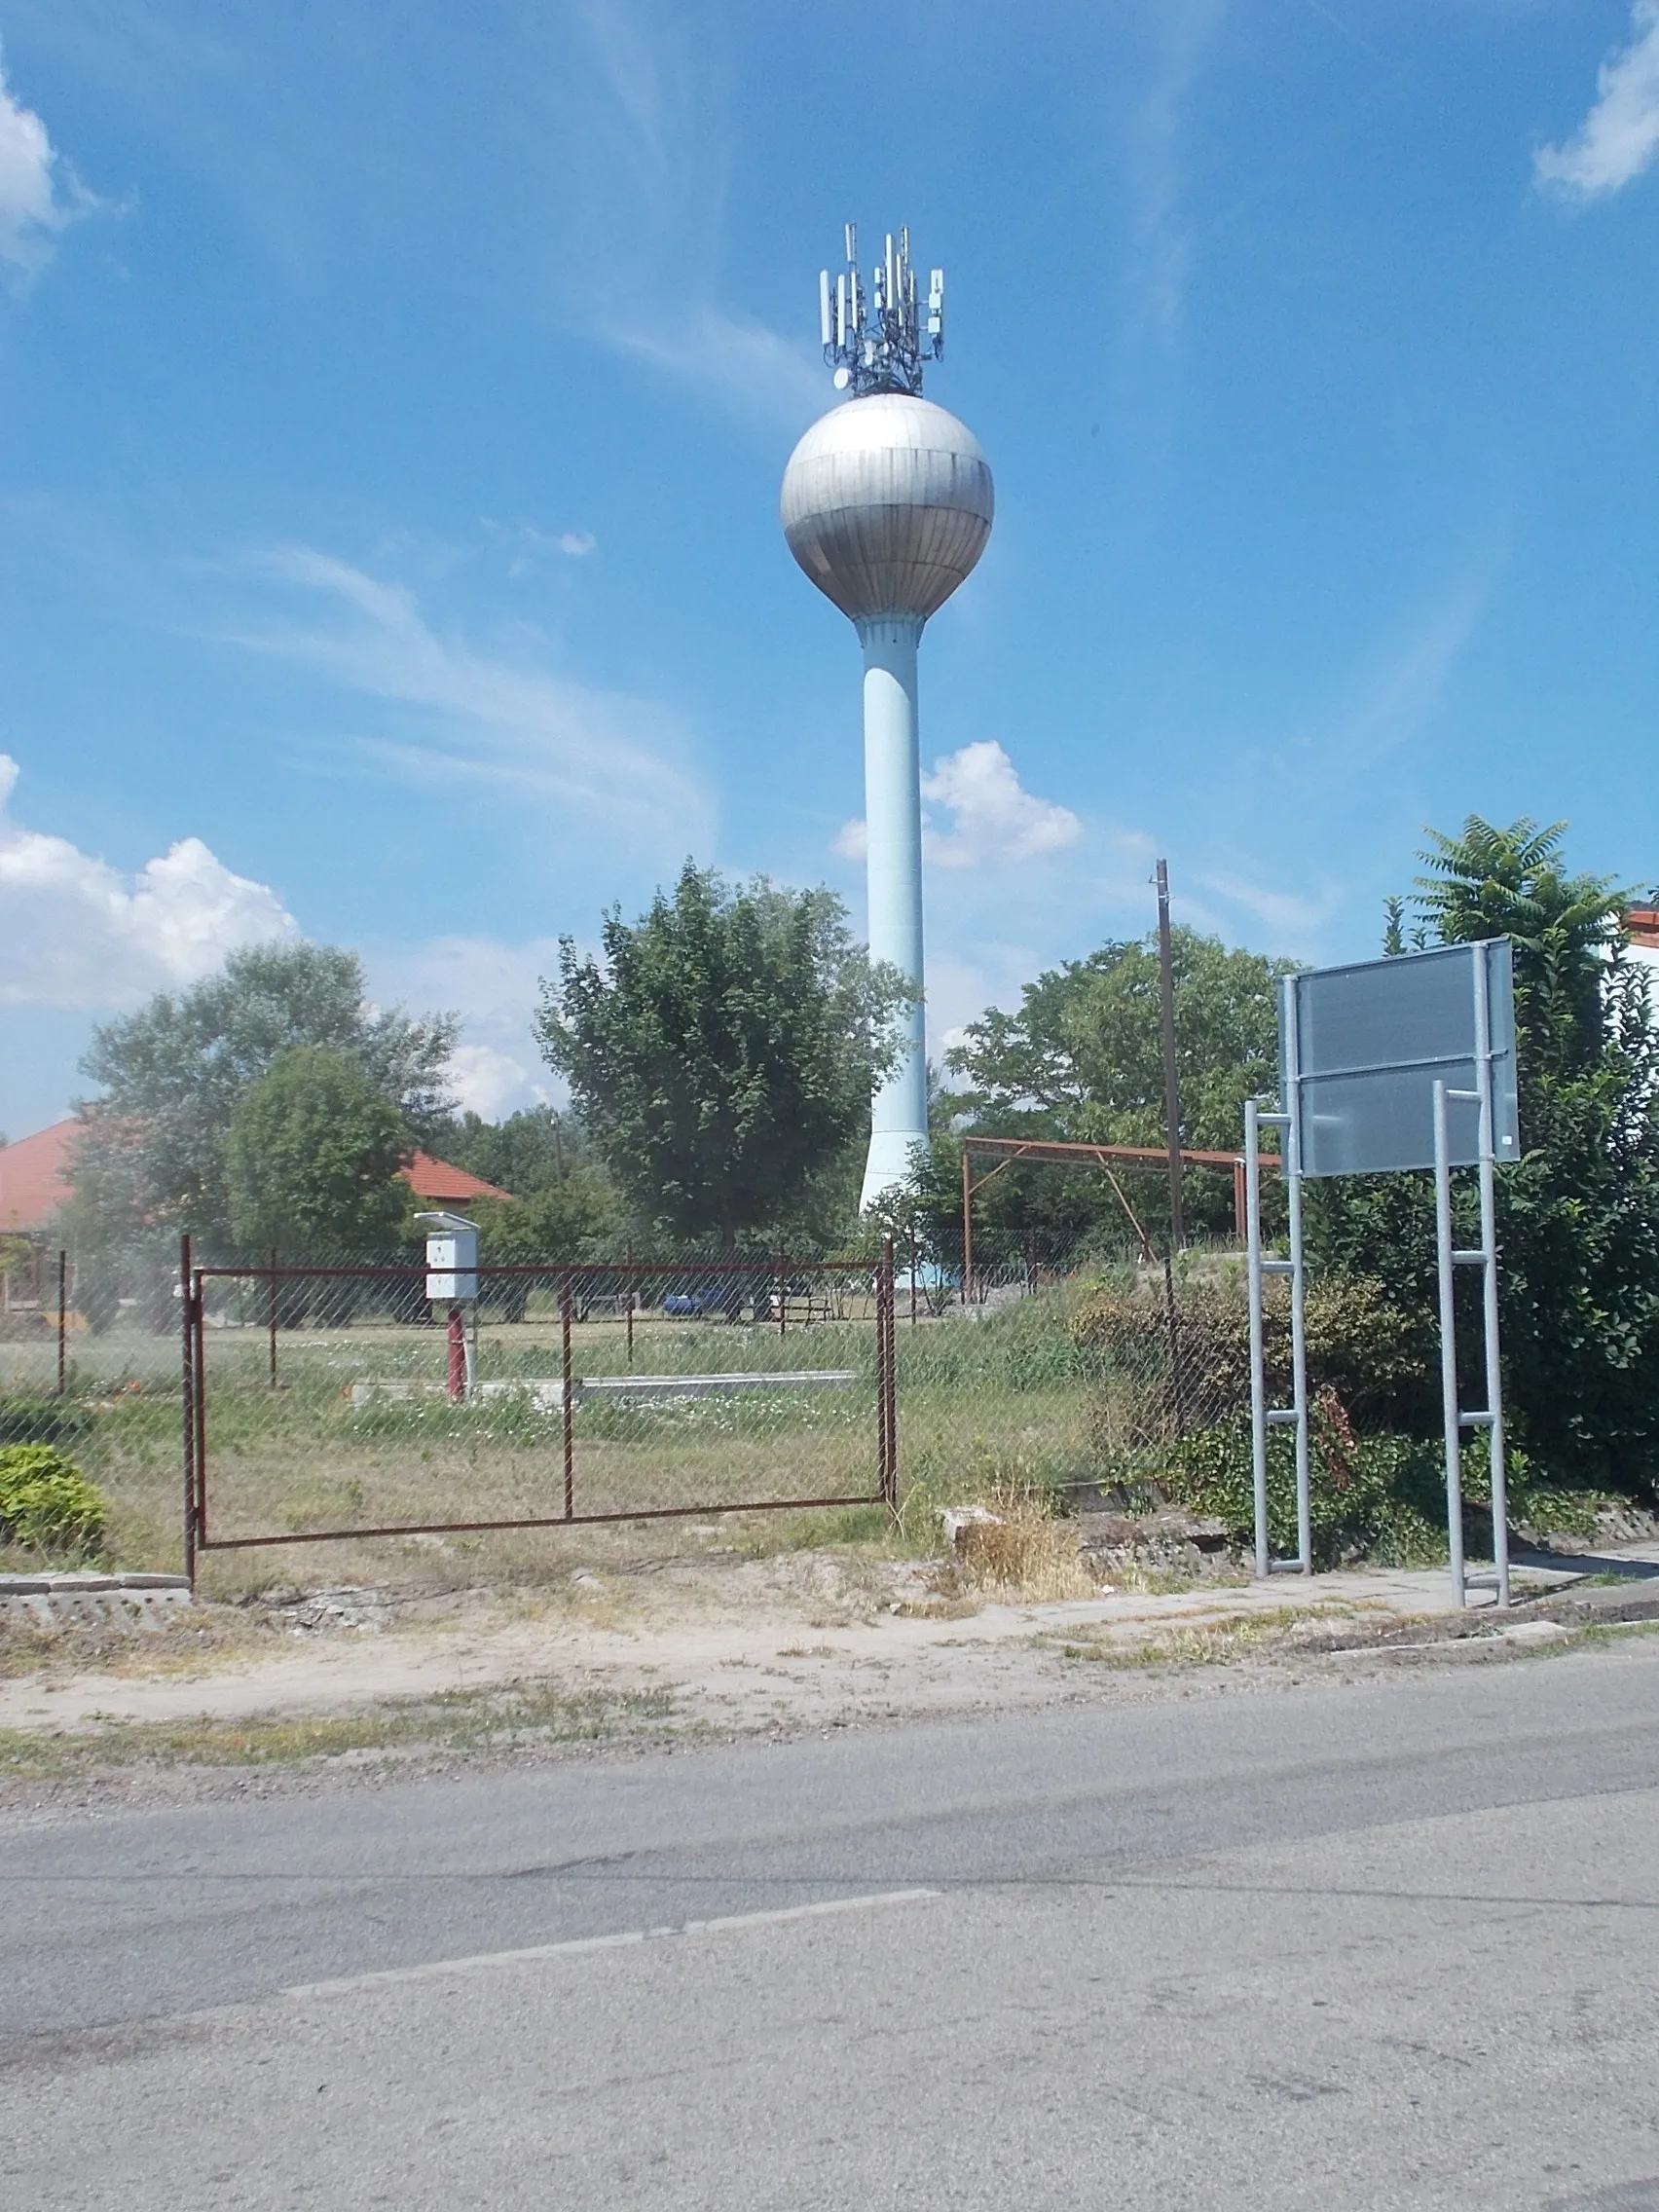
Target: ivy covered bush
pixel 1380 1497
pixel 47 1503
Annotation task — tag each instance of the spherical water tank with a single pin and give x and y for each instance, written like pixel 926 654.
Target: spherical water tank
pixel 887 505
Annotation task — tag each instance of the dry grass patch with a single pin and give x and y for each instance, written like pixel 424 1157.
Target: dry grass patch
pixel 1023 1552
pixel 1203 1643
pixel 509 1717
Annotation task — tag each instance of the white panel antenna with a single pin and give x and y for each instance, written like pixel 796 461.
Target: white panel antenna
pixel 881 346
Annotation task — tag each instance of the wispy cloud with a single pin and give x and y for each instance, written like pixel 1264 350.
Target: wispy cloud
pixel 76 932
pixel 646 120
pixel 528 547
pixel 739 364
pixel 1619 137
pixel 1399 696
pixel 39 193
pixel 480 718
pixel 1160 243
pixel 1295 922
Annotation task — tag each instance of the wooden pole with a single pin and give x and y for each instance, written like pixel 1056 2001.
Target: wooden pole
pixel 1172 1137
pixel 967 1229
pixel 187 1358
pixel 1171 1072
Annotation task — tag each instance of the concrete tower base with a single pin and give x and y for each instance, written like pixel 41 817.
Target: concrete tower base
pixel 893 820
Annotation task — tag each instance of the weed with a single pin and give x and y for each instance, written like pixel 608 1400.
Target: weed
pixel 520 1716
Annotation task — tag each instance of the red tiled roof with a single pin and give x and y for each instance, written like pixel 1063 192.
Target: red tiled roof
pixel 33 1184
pixel 436 1180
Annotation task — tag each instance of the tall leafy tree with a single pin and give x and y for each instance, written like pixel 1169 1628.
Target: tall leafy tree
pixel 312 1158
pixel 173 1073
pixel 722 1052
pixel 1081 1060
pixel 531 1151
pixel 1084 1050
pixel 1578 1213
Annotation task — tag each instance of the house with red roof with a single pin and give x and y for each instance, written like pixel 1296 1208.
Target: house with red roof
pixel 445 1188
pixel 34 1178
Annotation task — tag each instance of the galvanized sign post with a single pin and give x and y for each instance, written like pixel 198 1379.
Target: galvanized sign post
pixel 1387 1066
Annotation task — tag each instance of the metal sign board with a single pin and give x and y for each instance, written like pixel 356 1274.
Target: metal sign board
pixel 1361 1048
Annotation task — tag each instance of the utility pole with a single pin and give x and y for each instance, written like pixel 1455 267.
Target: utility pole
pixel 1172 1132
pixel 1171 1077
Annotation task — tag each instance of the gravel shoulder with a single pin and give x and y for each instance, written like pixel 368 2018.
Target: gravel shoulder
pixel 358 1683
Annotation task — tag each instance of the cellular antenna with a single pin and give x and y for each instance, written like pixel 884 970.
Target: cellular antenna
pixel 878 341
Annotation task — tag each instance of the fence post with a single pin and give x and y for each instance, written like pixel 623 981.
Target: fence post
pixel 784 1296
pixel 966 1229
pixel 566 1395
pixel 199 1326
pixel 187 1363
pixel 271 1317
pixel 62 1321
pixel 630 1306
pixel 887 1381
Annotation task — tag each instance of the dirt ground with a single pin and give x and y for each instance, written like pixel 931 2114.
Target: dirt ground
pixel 360 1681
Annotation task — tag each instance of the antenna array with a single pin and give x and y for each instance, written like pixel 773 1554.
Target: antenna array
pixel 877 340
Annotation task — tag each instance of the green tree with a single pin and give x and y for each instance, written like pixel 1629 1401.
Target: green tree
pixel 1081 1060
pixel 723 1051
pixel 1578 1213
pixel 173 1072
pixel 533 1150
pixel 312 1158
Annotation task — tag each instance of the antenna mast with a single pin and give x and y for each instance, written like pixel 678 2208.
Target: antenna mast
pixel 877 341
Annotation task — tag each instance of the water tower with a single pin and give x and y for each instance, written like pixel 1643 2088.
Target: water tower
pixel 887 505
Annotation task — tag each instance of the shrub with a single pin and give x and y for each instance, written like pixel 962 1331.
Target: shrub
pixel 1381 1497
pixel 1375 1355
pixel 39 1420
pixel 47 1503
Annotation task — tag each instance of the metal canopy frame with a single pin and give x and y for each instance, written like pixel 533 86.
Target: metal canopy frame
pixel 1456 1420
pixel 1006 1150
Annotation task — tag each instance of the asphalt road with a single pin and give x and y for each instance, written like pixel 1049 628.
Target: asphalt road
pixel 1372 1943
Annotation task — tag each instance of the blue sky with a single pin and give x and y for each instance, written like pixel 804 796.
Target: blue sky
pixel 393 401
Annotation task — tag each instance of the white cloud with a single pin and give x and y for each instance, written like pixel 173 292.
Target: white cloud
pixel 496 989
pixel 492 1084
pixel 38 194
pixel 1619 136
pixel 75 932
pixel 599 756
pixel 994 819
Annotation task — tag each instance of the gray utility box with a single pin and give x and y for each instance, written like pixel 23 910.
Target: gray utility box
pixel 452 1258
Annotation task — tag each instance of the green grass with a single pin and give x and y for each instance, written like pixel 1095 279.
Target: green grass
pixel 519 1716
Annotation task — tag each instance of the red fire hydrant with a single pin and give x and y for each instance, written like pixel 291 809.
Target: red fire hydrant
pixel 457 1352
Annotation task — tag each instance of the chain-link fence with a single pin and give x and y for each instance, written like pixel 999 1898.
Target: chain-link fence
pixel 315 1401
pixel 94 1372
pixel 1080 1384
pixel 343 1402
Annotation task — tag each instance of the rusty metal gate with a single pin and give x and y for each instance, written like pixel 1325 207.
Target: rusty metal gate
pixel 327 1403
